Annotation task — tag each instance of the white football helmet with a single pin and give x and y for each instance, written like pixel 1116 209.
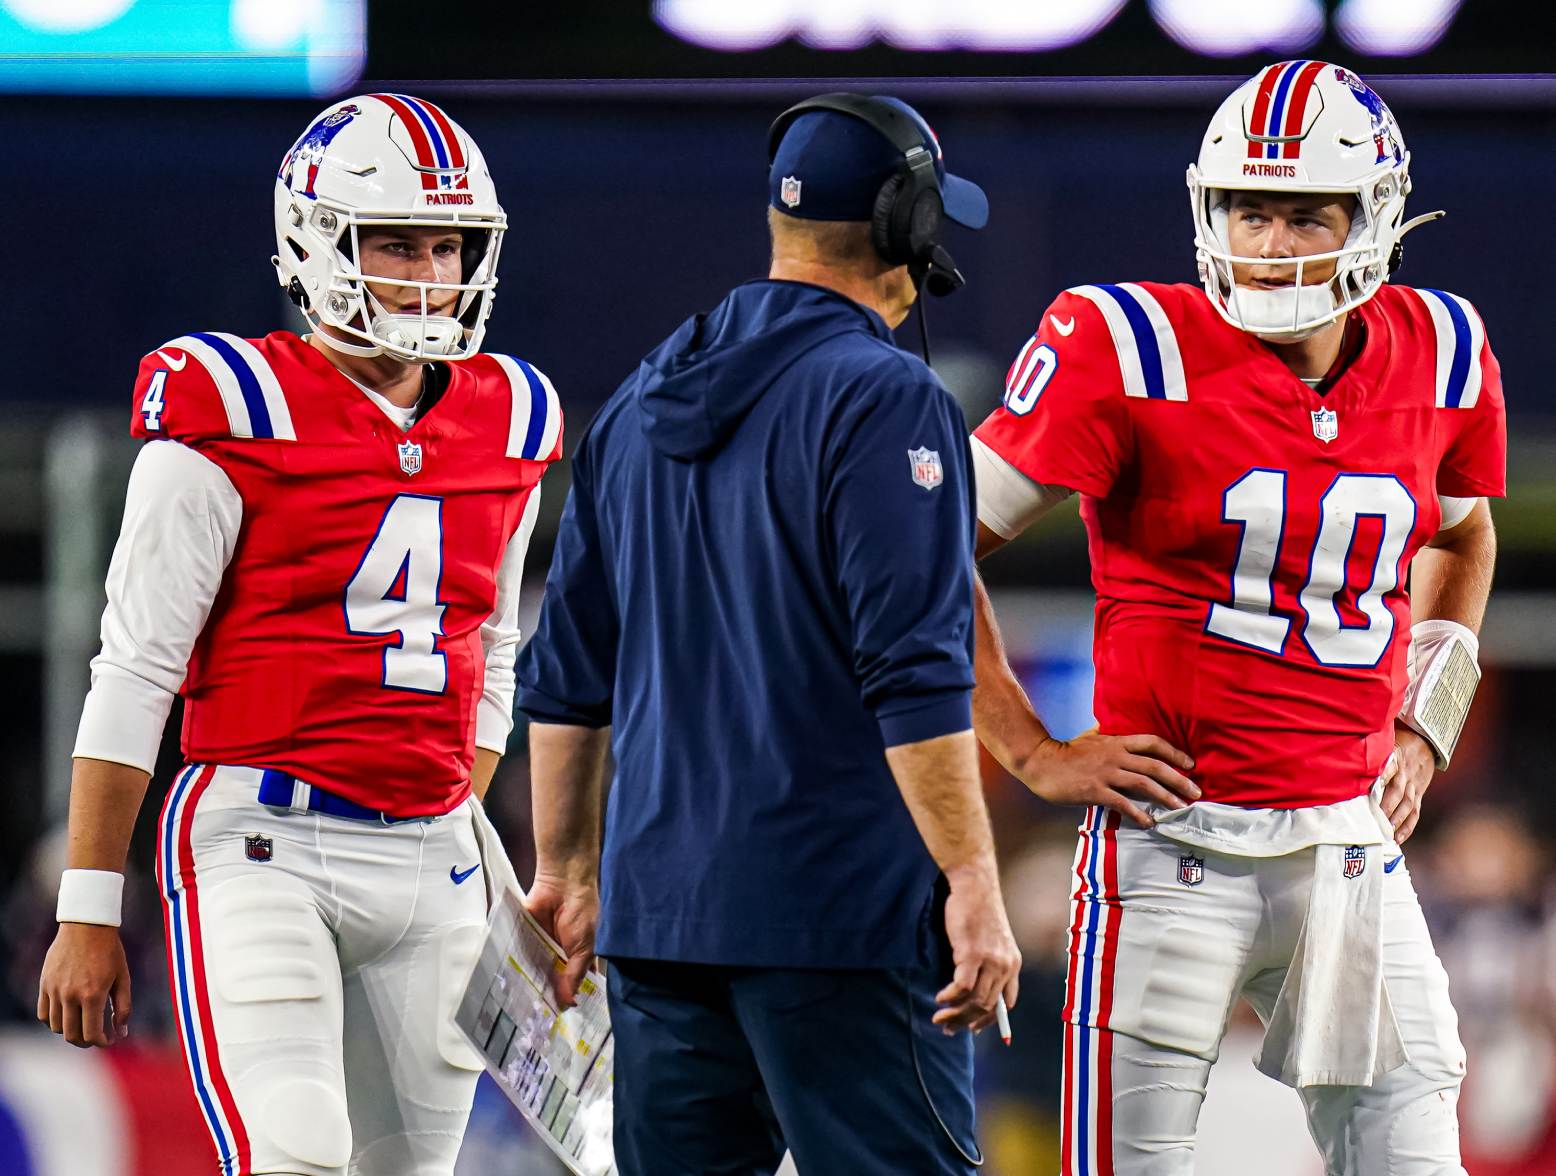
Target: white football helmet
pixel 385 159
pixel 1302 126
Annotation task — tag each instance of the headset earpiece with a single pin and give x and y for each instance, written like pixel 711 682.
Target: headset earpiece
pixel 926 220
pixel 909 215
pixel 885 234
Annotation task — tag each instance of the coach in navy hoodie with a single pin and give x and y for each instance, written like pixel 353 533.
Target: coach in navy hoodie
pixel 761 600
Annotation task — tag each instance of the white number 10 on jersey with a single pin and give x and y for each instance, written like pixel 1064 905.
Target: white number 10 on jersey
pixel 1257 502
pixel 395 591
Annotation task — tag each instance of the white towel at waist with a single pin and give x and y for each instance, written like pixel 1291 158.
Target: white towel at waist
pixel 1332 1024
pixel 498 870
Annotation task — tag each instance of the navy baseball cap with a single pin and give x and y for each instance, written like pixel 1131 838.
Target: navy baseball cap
pixel 830 166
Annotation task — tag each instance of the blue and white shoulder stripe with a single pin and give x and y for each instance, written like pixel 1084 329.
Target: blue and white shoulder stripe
pixel 536 421
pixel 1148 354
pixel 1460 337
pixel 250 392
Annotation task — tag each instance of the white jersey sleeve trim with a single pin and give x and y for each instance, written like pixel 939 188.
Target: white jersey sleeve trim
pixel 1460 338
pixel 537 412
pixel 500 638
pixel 1147 346
pixel 1008 501
pixel 1454 510
pixel 250 392
pixel 181 521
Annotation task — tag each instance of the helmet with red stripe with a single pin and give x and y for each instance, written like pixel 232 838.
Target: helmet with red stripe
pixel 1298 127
pixel 386 160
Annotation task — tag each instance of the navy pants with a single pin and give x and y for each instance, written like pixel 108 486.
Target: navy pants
pixel 719 1069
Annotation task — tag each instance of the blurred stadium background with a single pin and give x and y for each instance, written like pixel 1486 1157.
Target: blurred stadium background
pixel 140 141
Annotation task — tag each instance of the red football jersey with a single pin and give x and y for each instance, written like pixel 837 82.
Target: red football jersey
pixel 1249 536
pixel 344 646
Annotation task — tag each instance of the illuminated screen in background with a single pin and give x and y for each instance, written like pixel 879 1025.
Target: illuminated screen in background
pixel 279 47
pixel 1215 28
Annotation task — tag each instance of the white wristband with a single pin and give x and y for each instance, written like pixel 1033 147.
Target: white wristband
pixel 90 896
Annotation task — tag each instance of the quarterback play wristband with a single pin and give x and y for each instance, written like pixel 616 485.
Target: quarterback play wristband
pixel 1444 672
pixel 90 896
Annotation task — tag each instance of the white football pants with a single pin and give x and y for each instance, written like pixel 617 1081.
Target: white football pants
pixel 315 964
pixel 1163 940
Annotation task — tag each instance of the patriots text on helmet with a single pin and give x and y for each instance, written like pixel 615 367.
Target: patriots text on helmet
pixel 1286 171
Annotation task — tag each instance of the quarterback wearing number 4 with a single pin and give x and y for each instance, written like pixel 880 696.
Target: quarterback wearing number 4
pixel 322 546
pixel 1259 462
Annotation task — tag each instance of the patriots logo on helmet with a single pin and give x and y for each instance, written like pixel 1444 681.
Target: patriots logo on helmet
pixel 310 149
pixel 1384 132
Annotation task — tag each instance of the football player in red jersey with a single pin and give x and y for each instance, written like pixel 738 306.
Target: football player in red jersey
pixel 1259 462
pixel 322 547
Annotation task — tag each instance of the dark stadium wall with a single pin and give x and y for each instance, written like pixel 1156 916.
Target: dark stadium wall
pixel 135 221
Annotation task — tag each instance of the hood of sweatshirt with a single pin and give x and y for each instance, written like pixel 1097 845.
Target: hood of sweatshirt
pixel 695 388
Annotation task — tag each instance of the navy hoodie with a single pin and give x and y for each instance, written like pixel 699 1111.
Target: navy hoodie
pixel 763 579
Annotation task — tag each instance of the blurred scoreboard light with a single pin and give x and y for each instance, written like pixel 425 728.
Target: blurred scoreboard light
pixel 279 47
pixel 1394 27
pixel 1230 28
pixel 1214 28
pixel 906 24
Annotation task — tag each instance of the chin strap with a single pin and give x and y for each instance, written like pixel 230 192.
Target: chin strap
pixel 340 345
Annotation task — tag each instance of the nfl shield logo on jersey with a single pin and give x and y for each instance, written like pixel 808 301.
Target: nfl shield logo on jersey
pixel 1191 870
pixel 1355 861
pixel 410 457
pixel 927 470
pixel 1326 425
pixel 257 848
pixel 789 192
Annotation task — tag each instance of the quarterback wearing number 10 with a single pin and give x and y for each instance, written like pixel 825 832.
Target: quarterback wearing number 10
pixel 1262 460
pixel 322 546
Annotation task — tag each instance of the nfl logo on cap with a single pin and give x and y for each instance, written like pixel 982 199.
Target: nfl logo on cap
pixel 1326 425
pixel 1355 861
pixel 410 457
pixel 1191 870
pixel 927 470
pixel 789 192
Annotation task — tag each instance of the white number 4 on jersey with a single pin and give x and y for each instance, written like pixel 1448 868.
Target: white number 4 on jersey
pixel 395 592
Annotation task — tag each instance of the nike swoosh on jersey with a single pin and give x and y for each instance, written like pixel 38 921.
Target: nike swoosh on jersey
pixel 173 365
pixel 1388 866
pixel 1063 328
pixel 457 876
